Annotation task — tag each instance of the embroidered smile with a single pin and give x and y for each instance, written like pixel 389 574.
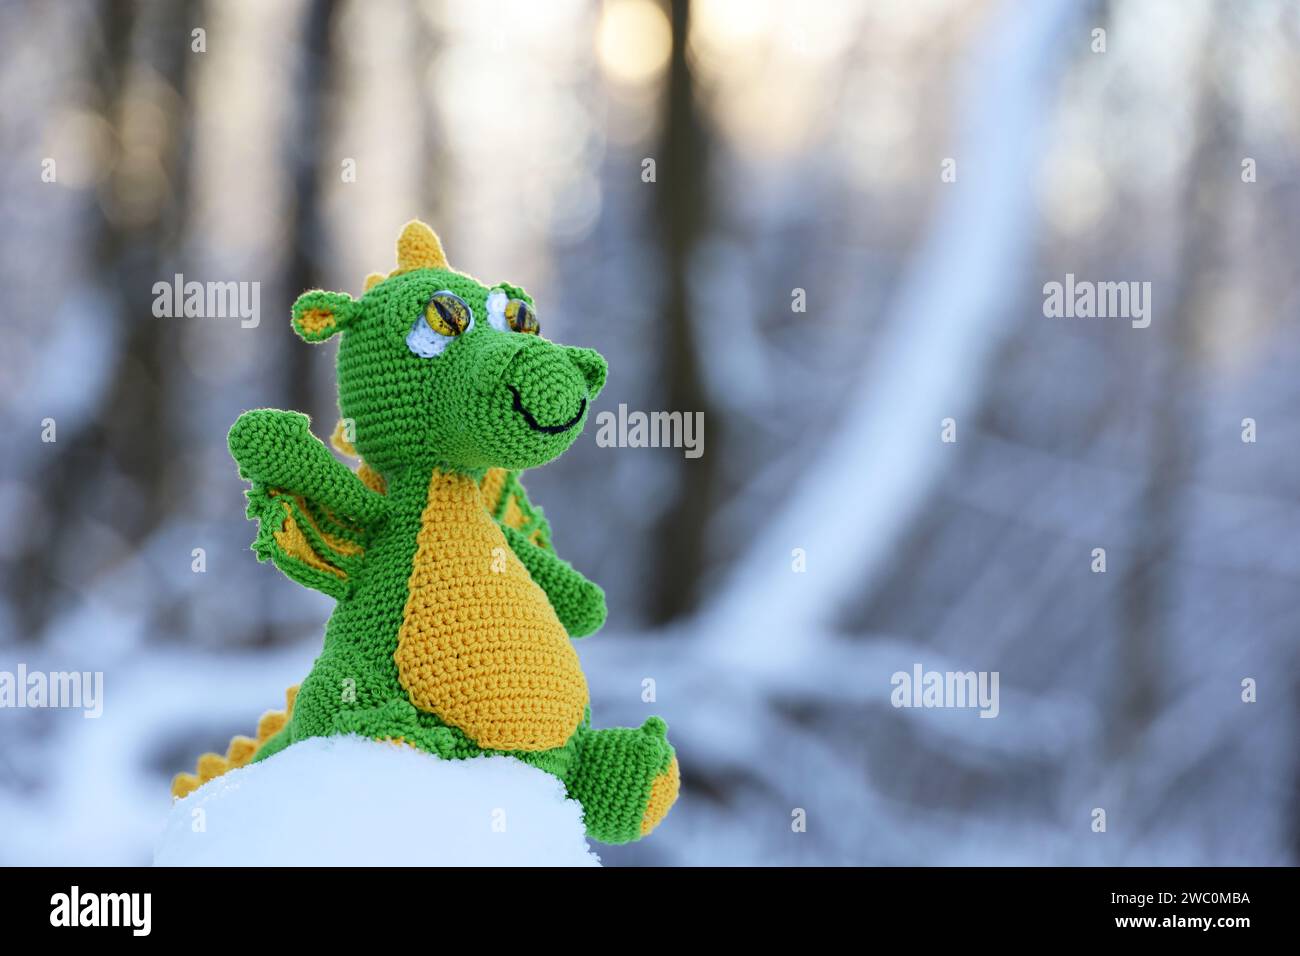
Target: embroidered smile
pixel 537 426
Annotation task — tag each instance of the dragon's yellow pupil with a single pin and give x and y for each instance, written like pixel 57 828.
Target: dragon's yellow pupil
pixel 521 317
pixel 447 314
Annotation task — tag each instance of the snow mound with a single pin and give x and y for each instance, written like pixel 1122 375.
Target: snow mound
pixel 351 801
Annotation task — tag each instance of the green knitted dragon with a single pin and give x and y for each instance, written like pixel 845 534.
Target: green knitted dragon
pixel 452 629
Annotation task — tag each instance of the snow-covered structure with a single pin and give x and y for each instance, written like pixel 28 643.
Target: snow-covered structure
pixel 348 801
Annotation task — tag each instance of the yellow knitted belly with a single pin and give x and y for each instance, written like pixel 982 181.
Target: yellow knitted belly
pixel 480 645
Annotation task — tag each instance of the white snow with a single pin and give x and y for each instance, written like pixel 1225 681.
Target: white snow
pixel 351 801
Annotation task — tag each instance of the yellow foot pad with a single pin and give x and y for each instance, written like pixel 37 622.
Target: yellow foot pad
pixel 663 794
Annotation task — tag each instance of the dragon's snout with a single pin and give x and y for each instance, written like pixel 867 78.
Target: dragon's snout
pixel 551 386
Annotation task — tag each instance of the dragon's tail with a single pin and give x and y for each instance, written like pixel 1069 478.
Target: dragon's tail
pixel 241 749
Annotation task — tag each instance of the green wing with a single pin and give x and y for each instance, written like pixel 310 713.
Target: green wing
pixel 305 540
pixel 504 496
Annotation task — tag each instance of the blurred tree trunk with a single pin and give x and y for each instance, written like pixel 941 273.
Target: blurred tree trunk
pixel 425 46
pixel 114 468
pixel 682 168
pixel 308 160
pixel 1163 508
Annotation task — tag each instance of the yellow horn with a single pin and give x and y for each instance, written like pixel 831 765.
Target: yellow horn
pixel 418 248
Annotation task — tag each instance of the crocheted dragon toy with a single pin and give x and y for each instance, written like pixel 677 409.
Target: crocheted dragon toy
pixel 454 616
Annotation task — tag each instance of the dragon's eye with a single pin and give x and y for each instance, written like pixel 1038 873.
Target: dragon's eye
pixel 521 317
pixel 443 317
pixel 447 314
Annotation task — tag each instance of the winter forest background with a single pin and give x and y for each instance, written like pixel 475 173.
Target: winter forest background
pixel 797 146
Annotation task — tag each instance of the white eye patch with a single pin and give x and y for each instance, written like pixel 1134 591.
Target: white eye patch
pixel 496 309
pixel 426 343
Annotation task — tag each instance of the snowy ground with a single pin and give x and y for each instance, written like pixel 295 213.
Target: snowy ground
pixel 346 800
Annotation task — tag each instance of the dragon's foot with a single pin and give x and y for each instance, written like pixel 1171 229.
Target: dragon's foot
pixel 663 794
pixel 626 780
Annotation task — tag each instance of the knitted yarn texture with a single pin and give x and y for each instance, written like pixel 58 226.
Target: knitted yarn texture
pixel 454 614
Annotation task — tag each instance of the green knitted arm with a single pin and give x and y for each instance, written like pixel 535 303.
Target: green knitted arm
pixel 279 449
pixel 315 517
pixel 579 603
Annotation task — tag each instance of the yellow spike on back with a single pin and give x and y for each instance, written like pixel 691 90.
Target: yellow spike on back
pixel 183 784
pixel 240 751
pixel 372 280
pixel 212 765
pixel 418 247
pixel 272 723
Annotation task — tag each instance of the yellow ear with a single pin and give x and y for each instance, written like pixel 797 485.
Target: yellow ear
pixel 317 315
pixel 418 248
